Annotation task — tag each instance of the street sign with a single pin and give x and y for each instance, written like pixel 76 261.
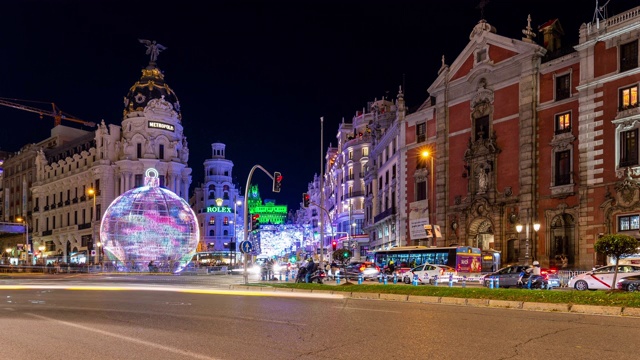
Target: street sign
pixel 246 247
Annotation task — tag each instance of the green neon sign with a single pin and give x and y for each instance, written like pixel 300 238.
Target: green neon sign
pixel 270 209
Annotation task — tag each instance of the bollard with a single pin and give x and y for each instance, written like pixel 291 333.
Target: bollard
pixel 395 278
pixel 385 279
pixel 360 279
pixel 464 281
pixel 380 278
pixel 338 279
pixel 435 280
pixel 450 279
pixel 286 276
pixel 490 282
pixel 280 276
pixel 415 279
pixel 497 282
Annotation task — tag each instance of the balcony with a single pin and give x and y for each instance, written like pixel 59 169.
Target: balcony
pixel 83 198
pixel 36 209
pixel 75 200
pixel 390 211
pixel 53 206
pixel 68 202
pixel 46 207
pixel 84 226
pixel 355 194
pixel 47 232
pixel 60 204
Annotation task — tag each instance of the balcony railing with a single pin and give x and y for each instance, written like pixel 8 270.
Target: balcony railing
pixel 390 211
pixel 84 226
pixel 47 232
pixel 355 194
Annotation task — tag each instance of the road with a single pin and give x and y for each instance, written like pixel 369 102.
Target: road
pixel 144 319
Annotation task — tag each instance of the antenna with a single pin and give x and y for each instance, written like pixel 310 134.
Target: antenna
pixel 600 13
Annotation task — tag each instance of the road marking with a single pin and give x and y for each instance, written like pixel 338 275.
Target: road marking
pixel 363 309
pixel 126 338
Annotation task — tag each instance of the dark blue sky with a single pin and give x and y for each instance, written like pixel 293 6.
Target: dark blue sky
pixel 256 75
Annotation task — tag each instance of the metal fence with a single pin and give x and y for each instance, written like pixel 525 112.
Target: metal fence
pixel 566 275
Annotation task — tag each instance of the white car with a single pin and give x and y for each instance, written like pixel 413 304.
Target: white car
pixel 427 273
pixel 602 277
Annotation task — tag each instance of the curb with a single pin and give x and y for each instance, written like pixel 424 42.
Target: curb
pixel 501 304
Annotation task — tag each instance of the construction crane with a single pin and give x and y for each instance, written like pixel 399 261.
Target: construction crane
pixel 55 112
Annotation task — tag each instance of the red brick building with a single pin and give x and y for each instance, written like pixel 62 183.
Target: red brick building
pixel 525 134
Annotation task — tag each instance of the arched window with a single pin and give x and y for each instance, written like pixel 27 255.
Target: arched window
pixel 212 232
pixel 562 241
pixel 226 233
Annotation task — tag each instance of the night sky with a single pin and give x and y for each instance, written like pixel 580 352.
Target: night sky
pixel 255 75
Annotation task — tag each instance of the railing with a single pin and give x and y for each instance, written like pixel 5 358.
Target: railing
pixel 355 194
pixel 84 226
pixel 390 211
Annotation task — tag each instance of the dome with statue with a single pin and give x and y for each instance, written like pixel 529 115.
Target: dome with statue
pixel 150 223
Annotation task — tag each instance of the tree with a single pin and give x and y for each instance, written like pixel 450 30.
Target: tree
pixel 616 245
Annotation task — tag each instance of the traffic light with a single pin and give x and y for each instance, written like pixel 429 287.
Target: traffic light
pixel 255 224
pixel 305 200
pixel 334 245
pixel 277 182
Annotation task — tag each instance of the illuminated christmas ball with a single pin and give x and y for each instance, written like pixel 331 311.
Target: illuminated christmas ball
pixel 150 223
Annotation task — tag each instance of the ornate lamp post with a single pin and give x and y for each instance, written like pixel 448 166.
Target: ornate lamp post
pixel 536 227
pixel 426 154
pixel 27 246
pixel 93 193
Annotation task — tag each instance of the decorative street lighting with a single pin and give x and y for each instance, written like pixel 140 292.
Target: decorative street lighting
pixel 93 193
pixel 99 245
pixel 432 182
pixel 26 232
pixel 536 227
pixel 235 242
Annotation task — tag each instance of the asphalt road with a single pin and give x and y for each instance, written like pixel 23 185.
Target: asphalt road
pixel 142 319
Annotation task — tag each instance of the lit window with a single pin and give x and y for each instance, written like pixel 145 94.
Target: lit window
pixel 563 123
pixel 629 97
pixel 212 220
pixel 631 222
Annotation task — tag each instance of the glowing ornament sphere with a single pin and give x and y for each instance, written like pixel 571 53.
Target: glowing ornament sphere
pixel 150 223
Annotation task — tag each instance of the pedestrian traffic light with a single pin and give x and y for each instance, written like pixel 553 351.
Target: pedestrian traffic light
pixel 305 200
pixel 277 182
pixel 334 245
pixel 255 224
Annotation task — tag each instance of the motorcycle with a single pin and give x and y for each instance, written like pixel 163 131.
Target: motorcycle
pixel 317 276
pixel 537 282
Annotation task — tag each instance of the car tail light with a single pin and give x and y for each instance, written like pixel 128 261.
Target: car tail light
pixel 441 271
pixel 322 274
pixel 362 268
pixel 377 268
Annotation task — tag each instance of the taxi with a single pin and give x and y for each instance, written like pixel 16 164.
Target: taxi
pixel 602 277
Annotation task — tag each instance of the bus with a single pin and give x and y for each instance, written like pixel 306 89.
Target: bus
pixel 464 259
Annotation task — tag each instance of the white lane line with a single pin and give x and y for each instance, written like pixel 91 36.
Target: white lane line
pixel 126 338
pixel 363 309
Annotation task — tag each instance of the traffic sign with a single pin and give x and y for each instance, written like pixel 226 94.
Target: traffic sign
pixel 246 246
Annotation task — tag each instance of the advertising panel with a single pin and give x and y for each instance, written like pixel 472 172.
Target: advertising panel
pixel 416 228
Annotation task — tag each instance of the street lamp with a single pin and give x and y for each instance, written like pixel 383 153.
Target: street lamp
pixel 8 251
pixel 26 232
pixel 93 193
pixel 536 227
pixel 235 218
pixel 428 155
pixel 99 245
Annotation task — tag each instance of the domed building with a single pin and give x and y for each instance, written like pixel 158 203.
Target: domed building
pixel 80 173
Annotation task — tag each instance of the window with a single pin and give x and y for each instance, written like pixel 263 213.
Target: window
pixel 481 55
pixel 563 168
pixel 365 151
pixel 629 148
pixel 628 97
pixel 138 150
pixel 350 154
pixel 630 222
pixel 138 180
pixel 393 172
pixel 421 132
pixel 421 190
pixel 212 220
pixel 161 152
pixel 350 173
pixel 482 128
pixel 563 123
pixel 225 221
pixel 629 56
pixel 563 87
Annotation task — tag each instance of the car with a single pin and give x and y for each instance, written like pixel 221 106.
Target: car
pixel 508 276
pixel 602 277
pixel 368 270
pixel 629 283
pixel 426 274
